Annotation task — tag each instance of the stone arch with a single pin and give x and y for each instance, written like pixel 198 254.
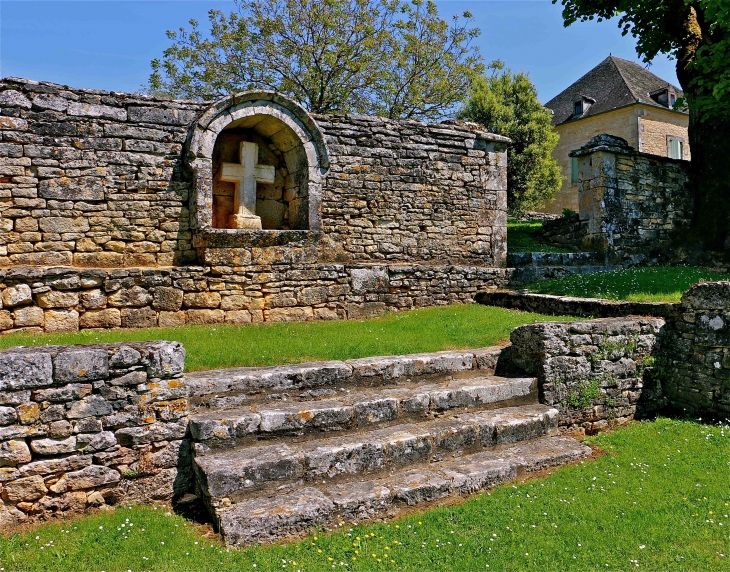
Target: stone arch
pixel 264 118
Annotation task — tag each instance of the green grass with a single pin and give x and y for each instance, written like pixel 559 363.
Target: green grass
pixel 658 500
pixel 211 347
pixel 526 236
pixel 656 284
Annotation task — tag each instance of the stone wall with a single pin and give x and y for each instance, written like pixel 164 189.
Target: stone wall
pixel 90 425
pixel 284 289
pixel 99 181
pixel 693 365
pixel 631 204
pixel 594 372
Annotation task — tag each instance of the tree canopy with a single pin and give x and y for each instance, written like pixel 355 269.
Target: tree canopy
pixel 386 57
pixel 506 103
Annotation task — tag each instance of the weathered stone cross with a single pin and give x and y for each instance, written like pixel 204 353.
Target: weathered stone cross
pixel 245 175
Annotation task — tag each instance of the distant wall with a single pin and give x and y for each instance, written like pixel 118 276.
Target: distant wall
pixel 88 425
pixel 631 204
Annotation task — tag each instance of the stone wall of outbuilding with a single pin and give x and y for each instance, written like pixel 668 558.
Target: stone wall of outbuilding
pixel 91 425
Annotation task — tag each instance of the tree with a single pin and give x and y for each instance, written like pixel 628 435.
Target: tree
pixel 390 57
pixel 697 34
pixel 507 104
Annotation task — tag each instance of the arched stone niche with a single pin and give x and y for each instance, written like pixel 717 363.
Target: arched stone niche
pixel 258 160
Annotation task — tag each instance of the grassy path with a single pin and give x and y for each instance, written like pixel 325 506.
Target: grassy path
pixel 657 500
pixel 211 347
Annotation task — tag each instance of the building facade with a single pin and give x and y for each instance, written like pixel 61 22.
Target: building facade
pixel 620 98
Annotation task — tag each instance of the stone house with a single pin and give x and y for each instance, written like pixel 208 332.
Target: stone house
pixel 126 210
pixel 619 98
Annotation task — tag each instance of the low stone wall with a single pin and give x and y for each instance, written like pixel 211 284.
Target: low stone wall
pixel 568 306
pixel 89 425
pixel 67 299
pixel 594 372
pixel 693 364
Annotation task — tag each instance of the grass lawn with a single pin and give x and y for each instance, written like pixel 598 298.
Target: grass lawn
pixel 656 284
pixel 526 236
pixel 657 500
pixel 210 347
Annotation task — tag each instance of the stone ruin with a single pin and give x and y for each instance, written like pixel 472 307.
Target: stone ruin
pixel 126 210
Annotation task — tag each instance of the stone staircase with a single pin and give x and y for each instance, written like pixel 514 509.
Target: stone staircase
pixel 278 451
pixel 533 266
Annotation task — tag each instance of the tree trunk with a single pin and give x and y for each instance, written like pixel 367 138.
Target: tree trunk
pixel 709 142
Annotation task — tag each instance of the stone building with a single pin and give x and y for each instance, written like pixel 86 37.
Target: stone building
pixel 126 210
pixel 620 98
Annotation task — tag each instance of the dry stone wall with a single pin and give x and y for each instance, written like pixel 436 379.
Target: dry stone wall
pixel 91 425
pixel 631 204
pixel 594 372
pixel 100 224
pixel 693 365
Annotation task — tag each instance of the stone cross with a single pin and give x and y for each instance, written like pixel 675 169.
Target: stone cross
pixel 245 175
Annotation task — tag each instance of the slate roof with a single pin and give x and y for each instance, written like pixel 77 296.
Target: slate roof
pixel 612 84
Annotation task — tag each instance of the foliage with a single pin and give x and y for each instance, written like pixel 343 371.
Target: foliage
pixel 656 284
pixel 526 236
pixel 221 346
pixel 390 57
pixel 507 104
pixel 658 499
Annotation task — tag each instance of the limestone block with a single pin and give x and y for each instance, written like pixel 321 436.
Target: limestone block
pixel 92 299
pixel 26 224
pixel 57 224
pixel 91 110
pixel 87 478
pixel 289 314
pixel 28 316
pixel 204 316
pixel 238 317
pixel 235 302
pixel 311 296
pixel 202 300
pixel 325 314
pixel 68 392
pixel 25 370
pixel 138 318
pixel 6 320
pixel 72 189
pixel 167 299
pixel 28 413
pixel 227 256
pixel 17 296
pixel 165 360
pixel 61 321
pixel 43 259
pixel 93 442
pixel 281 300
pixel 135 296
pixel 53 446
pixel 48 101
pixel 271 213
pixel 151 433
pixel 98 259
pixel 91 406
pixel 7 415
pixel 13 98
pixel 133 378
pixel 109 318
pixel 14 453
pixel 374 279
pixel 27 489
pixel 54 299
pixel 79 365
pixel 60 429
pixel 365 310
pixel 171 319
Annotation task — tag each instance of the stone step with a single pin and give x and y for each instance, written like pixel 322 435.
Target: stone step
pixel 230 387
pixel 526 259
pixel 290 512
pixel 354 409
pixel 232 475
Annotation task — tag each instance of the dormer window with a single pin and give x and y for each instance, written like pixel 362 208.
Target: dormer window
pixel 672 99
pixel 581 105
pixel 578 108
pixel 665 96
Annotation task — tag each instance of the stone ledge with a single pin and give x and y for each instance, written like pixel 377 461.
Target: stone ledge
pixel 233 238
pixel 568 306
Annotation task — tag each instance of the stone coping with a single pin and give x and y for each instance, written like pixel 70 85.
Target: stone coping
pixel 569 306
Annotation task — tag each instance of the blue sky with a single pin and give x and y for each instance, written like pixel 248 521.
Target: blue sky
pixel 108 44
